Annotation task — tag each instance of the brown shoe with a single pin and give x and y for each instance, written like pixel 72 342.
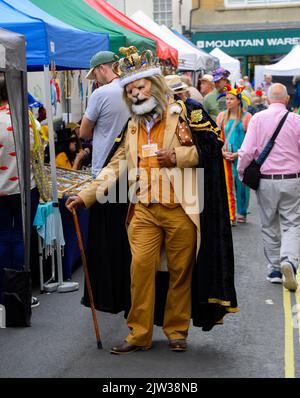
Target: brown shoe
pixel 127 348
pixel 178 345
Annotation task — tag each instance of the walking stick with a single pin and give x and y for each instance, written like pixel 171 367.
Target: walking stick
pixel 87 278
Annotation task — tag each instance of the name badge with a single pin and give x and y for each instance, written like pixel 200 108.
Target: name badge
pixel 149 150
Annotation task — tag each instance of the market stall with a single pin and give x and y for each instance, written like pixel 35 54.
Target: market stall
pixel 287 66
pixel 80 15
pixel 50 42
pixel 164 51
pixel 49 39
pixel 189 58
pixel 13 64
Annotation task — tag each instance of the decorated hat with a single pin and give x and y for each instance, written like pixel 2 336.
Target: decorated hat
pixel 134 66
pixel 258 96
pixel 100 58
pixel 238 92
pixel 220 73
pixel 175 84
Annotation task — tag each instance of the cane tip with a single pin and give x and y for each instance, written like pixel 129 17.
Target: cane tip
pixel 99 345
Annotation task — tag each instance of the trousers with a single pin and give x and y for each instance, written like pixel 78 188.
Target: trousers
pixel 11 231
pixel 151 228
pixel 279 208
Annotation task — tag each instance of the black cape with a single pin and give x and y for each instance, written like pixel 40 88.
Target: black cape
pixel 108 252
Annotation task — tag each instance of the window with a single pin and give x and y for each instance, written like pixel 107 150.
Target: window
pixel 162 12
pixel 253 3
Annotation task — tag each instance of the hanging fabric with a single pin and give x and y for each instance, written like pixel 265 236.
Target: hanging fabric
pixel 39 171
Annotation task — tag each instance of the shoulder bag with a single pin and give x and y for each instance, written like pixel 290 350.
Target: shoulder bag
pixel 252 172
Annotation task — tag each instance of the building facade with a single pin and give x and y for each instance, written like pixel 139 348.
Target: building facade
pixel 172 13
pixel 258 32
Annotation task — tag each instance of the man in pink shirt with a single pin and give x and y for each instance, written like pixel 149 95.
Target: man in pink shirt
pixel 278 194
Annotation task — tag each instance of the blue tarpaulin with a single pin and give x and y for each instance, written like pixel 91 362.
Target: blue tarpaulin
pixel 49 39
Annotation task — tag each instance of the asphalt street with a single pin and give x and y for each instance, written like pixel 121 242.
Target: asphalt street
pixel 259 341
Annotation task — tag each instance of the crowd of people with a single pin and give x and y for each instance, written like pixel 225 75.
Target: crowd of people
pixel 163 123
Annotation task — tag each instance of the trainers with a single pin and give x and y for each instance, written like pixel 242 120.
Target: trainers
pixel 275 277
pixel 289 273
pixel 34 302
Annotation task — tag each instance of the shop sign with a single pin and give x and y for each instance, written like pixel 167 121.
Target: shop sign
pixel 249 43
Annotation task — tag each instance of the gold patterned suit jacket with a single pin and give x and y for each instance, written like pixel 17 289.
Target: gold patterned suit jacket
pixel 186 157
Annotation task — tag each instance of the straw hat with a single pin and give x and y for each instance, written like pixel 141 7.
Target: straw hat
pixel 72 126
pixel 175 84
pixel 207 77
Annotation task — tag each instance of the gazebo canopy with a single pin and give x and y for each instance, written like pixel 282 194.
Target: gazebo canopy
pixel 80 15
pixel 49 39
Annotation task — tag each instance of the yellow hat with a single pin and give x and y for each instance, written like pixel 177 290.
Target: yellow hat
pixel 72 126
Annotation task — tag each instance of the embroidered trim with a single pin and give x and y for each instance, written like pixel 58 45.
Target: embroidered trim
pixel 224 303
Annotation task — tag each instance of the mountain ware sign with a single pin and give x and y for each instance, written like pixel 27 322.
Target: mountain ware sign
pixel 249 42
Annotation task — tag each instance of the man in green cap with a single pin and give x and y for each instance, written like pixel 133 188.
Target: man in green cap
pixel 106 112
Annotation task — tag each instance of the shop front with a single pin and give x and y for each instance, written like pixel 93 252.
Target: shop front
pixel 251 47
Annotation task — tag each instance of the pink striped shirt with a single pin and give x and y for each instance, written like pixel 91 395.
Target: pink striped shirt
pixel 284 158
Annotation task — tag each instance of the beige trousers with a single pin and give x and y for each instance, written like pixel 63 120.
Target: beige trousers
pixel 279 208
pixel 151 228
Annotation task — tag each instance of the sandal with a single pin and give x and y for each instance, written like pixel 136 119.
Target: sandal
pixel 178 345
pixel 241 219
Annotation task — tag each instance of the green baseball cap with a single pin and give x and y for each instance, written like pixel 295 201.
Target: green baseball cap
pixel 100 58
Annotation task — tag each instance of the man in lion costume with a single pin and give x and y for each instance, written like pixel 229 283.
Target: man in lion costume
pixel 174 275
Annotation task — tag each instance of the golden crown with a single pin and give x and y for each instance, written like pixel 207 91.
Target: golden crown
pixel 134 66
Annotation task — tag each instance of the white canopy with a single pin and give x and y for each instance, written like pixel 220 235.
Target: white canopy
pixel 287 66
pixel 229 63
pixel 189 57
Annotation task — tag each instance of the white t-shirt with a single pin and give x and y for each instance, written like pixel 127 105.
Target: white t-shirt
pixel 9 179
pixel 109 111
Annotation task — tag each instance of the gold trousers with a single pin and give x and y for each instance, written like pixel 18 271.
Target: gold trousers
pixel 150 229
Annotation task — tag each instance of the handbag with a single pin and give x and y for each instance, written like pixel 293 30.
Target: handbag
pixel 252 173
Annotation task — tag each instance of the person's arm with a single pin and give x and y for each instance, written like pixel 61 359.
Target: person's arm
pixel 86 128
pixel 101 185
pixel 91 115
pixel 79 158
pixel 186 156
pixel 248 149
pixel 246 120
pixel 106 178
